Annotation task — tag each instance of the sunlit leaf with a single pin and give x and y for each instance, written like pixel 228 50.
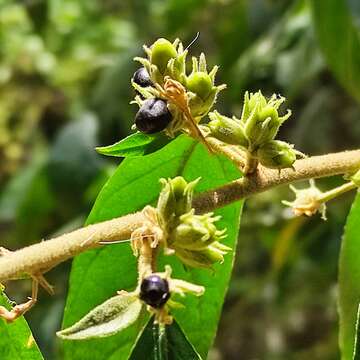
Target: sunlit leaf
pixel 134 185
pixel 137 144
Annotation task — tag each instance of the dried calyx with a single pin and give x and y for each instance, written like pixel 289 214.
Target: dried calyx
pixel 307 201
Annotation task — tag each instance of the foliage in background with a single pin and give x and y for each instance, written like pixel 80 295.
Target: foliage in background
pixel 65 68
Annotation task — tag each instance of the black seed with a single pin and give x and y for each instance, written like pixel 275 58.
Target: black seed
pixel 142 77
pixel 154 291
pixel 153 116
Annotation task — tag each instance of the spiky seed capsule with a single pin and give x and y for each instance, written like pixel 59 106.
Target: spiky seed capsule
pixel 154 291
pixel 153 116
pixel 161 52
pixel 200 83
pixel 142 77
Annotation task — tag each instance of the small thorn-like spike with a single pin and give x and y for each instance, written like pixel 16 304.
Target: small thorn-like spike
pixel 202 63
pixel 195 64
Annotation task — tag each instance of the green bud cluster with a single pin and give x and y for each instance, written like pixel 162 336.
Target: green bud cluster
pixel 261 118
pixel 195 239
pixel 256 130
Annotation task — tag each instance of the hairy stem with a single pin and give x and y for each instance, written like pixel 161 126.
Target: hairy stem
pixel 264 179
pixel 229 151
pixel 43 256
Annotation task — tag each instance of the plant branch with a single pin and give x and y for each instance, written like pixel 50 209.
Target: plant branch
pixel 264 179
pixel 43 256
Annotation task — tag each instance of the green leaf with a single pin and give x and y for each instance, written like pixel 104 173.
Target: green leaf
pixel 15 338
pixel 96 275
pixel 164 343
pixel 112 316
pixel 339 39
pixel 137 144
pixel 349 281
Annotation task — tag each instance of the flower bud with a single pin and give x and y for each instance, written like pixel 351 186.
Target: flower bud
pixel 196 232
pixel 161 52
pixel 276 155
pixel 228 130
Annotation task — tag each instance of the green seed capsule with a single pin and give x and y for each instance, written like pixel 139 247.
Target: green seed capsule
pixel 276 155
pixel 200 259
pixel 228 130
pixel 200 83
pixel 161 52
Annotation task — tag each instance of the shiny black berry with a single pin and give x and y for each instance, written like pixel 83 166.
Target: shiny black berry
pixel 154 291
pixel 153 116
pixel 142 77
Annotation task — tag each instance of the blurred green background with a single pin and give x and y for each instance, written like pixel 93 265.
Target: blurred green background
pixel 65 69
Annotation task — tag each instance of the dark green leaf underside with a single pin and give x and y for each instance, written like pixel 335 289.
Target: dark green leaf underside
pixel 169 344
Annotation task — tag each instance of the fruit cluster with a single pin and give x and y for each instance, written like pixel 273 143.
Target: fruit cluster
pixel 171 100
pixel 168 97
